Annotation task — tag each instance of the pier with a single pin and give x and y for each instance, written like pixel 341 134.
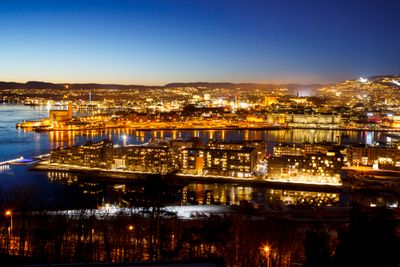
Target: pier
pixel 11 161
pixel 18 161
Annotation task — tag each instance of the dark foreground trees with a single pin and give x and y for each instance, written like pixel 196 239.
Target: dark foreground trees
pixel 246 237
pixel 372 239
pixel 368 239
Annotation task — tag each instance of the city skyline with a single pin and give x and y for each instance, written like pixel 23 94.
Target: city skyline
pixel 200 133
pixel 154 43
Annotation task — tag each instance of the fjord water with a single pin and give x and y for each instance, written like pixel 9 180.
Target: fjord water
pixel 16 142
pixel 16 180
pixel 13 142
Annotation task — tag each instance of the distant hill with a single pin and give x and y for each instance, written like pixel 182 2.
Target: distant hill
pixel 47 85
pixel 291 86
pixel 242 85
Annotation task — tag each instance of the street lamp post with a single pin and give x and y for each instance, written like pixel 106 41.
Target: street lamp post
pixel 9 213
pixel 130 230
pixel 267 251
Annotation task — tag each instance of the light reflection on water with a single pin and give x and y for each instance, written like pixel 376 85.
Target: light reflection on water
pixel 5 169
pixel 202 193
pixel 257 195
pixel 68 138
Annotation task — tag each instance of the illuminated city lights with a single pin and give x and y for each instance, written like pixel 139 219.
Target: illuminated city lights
pixel 199 133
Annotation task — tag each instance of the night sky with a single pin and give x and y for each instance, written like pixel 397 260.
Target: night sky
pixel 156 42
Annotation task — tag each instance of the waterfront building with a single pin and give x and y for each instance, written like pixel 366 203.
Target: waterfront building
pixel 317 167
pixel 277 118
pixel 152 159
pixel 295 149
pixel 92 154
pixel 313 120
pixel 219 162
pixel 61 115
pixel 288 149
pixel 385 156
pixel 167 156
pixel 284 167
pixel 259 145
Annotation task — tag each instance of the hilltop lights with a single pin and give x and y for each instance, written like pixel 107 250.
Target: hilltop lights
pixel 396 82
pixel 363 80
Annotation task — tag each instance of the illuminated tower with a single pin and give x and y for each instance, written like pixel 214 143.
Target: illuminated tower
pixel 69 110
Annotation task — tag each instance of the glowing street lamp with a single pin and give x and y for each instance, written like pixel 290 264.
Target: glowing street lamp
pixel 10 214
pixel 267 250
pixel 129 237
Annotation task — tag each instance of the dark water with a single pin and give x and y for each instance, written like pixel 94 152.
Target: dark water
pixel 58 190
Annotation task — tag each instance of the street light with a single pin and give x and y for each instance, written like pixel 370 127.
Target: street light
pixel 267 250
pixel 9 213
pixel 130 230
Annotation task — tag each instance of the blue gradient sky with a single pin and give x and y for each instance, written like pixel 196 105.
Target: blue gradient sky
pixel 155 42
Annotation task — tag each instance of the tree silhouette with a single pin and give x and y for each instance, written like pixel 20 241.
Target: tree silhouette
pixel 316 248
pixel 371 239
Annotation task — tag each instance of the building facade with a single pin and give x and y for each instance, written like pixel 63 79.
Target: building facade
pixel 369 155
pixel 185 157
pixel 61 115
pixel 219 162
pixel 89 155
pixel 313 120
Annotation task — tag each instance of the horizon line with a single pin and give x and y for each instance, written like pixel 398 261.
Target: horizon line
pixel 273 82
